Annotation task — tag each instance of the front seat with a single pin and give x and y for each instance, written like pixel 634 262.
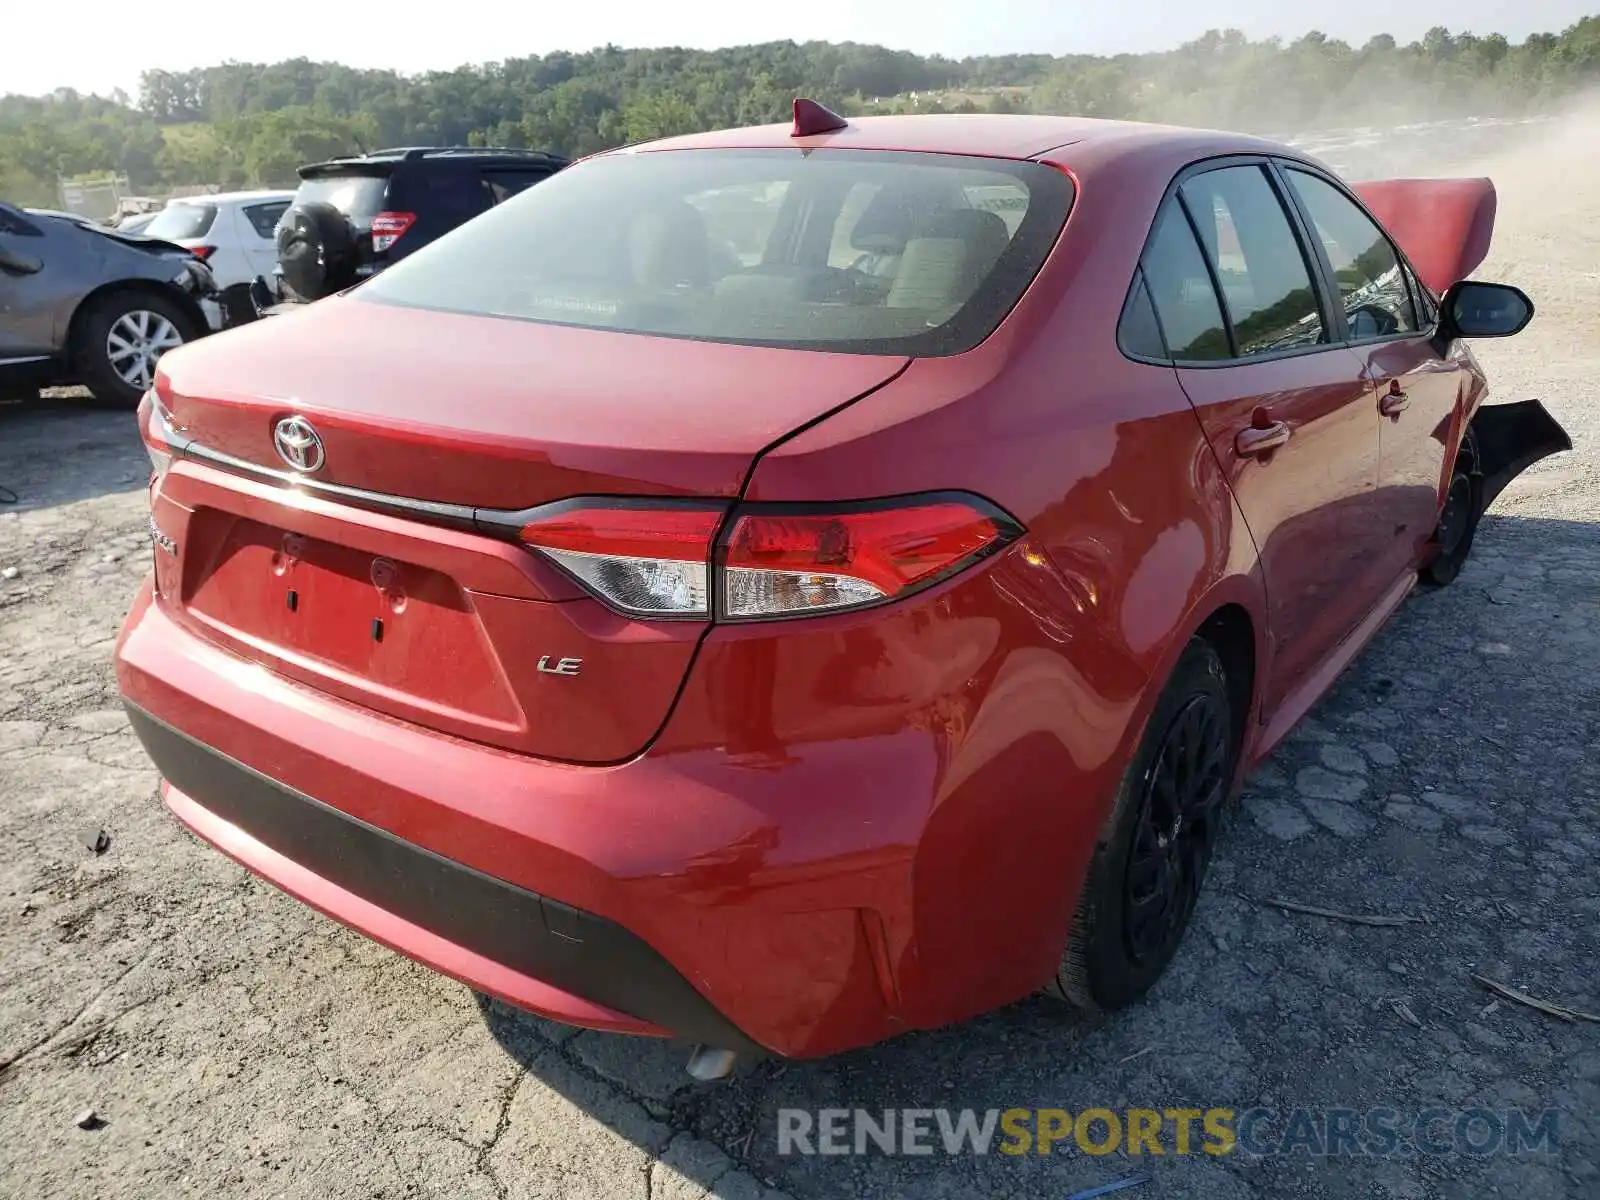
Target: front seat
pixel 950 254
pixel 881 234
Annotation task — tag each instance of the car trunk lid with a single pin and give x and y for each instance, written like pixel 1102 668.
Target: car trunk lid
pixel 502 413
pixel 410 607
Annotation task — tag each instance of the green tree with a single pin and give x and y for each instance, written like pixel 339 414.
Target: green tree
pixel 238 123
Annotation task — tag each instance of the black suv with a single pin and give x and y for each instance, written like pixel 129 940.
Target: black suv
pixel 351 217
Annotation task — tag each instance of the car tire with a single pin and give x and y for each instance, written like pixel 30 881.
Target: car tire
pixel 237 307
pixel 1157 843
pixel 1458 520
pixel 121 380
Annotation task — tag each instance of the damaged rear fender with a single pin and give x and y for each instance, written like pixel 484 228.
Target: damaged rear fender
pixel 1508 439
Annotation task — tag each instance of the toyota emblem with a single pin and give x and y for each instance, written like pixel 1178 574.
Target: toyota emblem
pixel 298 444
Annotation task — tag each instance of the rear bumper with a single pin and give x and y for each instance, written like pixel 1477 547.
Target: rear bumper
pixel 533 951
pixel 872 823
pixel 616 898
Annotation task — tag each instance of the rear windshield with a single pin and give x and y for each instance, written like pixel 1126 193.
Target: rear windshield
pixel 357 196
pixel 853 250
pixel 182 221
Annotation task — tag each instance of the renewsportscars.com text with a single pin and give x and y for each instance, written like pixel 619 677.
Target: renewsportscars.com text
pixel 1334 1132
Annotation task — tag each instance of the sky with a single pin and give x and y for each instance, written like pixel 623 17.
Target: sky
pixel 98 45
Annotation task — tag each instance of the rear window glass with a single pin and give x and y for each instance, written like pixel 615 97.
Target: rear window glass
pixel 358 196
pixel 182 221
pixel 852 250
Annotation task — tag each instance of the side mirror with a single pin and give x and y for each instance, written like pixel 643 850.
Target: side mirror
pixel 1478 310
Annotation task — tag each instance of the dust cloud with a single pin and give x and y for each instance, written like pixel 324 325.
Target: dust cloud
pixel 1547 242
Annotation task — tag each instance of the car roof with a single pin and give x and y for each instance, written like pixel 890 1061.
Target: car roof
pixel 234 197
pixel 982 134
pixel 400 154
pixel 60 214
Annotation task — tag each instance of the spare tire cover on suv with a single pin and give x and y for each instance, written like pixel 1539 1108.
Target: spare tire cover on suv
pixel 316 249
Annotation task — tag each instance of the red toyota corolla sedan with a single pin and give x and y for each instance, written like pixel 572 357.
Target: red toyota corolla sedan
pixel 784 587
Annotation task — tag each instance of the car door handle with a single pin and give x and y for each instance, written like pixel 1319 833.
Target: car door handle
pixel 1394 403
pixel 1260 439
pixel 19 264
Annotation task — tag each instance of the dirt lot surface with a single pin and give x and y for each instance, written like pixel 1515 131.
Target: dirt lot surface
pixel 233 1043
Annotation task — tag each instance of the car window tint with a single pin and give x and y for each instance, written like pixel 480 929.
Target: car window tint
pixel 447 196
pixel 1372 286
pixel 263 218
pixel 1260 265
pixel 504 184
pixel 1138 333
pixel 1180 288
pixel 179 220
pixel 739 246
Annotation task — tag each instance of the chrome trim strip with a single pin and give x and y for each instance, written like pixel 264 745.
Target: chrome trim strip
pixel 461 516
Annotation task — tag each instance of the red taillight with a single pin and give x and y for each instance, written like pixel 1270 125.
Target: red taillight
pixel 777 560
pixel 781 562
pixel 388 228
pixel 156 424
pixel 647 560
pixel 203 253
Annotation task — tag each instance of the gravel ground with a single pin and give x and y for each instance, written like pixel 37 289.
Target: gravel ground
pixel 233 1043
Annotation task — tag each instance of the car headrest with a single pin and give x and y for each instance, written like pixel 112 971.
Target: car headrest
pixel 983 232
pixel 950 255
pixel 669 246
pixel 885 226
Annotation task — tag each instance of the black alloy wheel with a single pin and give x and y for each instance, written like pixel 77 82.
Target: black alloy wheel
pixel 1150 859
pixel 1176 829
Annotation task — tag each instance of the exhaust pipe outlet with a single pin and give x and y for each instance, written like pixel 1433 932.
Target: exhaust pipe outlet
pixel 708 1063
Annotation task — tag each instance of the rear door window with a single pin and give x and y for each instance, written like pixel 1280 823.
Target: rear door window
pixel 1138 332
pixel 1182 292
pixel 445 194
pixel 263 218
pixel 1261 268
pixel 178 221
pixel 1372 286
pixel 505 182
